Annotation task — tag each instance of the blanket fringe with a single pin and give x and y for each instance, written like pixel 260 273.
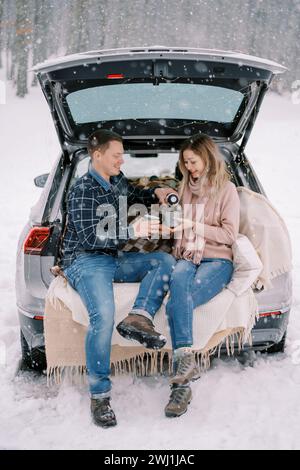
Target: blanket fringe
pixel 72 374
pixel 242 336
pixel 283 269
pixel 159 362
pixel 151 363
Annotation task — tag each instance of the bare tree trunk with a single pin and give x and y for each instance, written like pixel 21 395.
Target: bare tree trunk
pixel 97 23
pixel 79 28
pixel 40 29
pixel 10 40
pixel 22 43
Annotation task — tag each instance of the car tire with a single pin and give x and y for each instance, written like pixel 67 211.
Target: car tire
pixel 33 359
pixel 277 347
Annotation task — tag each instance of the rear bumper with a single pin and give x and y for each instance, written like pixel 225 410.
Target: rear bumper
pixel 270 329
pixel 263 338
pixel 266 332
pixel 33 331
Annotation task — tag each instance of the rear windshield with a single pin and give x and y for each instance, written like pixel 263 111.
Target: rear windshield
pixel 147 101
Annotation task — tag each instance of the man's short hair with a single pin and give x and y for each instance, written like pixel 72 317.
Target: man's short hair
pixel 99 140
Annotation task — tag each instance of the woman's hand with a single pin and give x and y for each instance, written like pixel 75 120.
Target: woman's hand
pixel 184 225
pixel 165 231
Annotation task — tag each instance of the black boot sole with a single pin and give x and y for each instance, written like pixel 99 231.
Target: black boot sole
pixel 102 424
pixel 148 341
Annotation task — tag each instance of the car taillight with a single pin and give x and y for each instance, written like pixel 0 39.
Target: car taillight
pixel 38 317
pixel 115 75
pixel 36 240
pixel 269 314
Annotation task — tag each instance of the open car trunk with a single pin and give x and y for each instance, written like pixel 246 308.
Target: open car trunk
pixel 156 97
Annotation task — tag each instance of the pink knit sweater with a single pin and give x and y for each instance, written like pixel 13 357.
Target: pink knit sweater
pixel 221 223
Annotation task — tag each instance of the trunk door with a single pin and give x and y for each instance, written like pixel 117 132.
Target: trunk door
pixel 157 97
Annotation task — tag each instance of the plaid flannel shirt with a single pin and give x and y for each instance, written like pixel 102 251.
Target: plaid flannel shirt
pixel 88 194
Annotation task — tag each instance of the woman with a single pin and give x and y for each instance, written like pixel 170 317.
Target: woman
pixel 203 248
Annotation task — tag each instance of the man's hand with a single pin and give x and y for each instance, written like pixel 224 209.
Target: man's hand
pixel 162 193
pixel 145 226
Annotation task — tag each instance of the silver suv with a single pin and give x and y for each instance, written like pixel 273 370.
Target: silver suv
pixel 154 98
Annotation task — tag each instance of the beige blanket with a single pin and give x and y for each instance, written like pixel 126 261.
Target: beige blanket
pixel 230 315
pixel 267 231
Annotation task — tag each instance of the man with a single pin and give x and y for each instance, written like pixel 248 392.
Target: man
pixel 93 260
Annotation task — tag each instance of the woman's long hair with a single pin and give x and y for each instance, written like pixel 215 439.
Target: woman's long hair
pixel 215 173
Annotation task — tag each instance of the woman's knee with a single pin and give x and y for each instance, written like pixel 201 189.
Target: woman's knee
pixel 169 259
pixel 183 272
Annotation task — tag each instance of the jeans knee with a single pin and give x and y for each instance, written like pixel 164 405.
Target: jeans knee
pixel 100 322
pixel 176 281
pixel 167 261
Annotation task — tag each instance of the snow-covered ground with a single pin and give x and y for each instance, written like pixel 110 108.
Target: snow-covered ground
pixel 233 407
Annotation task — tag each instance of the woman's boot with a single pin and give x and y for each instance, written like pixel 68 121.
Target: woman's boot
pixel 185 367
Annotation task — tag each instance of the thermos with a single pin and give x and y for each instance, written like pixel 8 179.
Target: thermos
pixel 172 199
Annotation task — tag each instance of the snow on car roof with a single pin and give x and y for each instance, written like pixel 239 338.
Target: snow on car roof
pixel 232 57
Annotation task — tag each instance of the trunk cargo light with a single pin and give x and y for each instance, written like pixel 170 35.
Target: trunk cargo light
pixel 115 75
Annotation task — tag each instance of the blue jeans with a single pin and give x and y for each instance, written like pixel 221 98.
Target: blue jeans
pixel 92 276
pixel 193 285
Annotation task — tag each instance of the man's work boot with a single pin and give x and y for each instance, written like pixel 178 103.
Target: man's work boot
pixel 140 328
pixel 186 368
pixel 102 413
pixel 179 400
